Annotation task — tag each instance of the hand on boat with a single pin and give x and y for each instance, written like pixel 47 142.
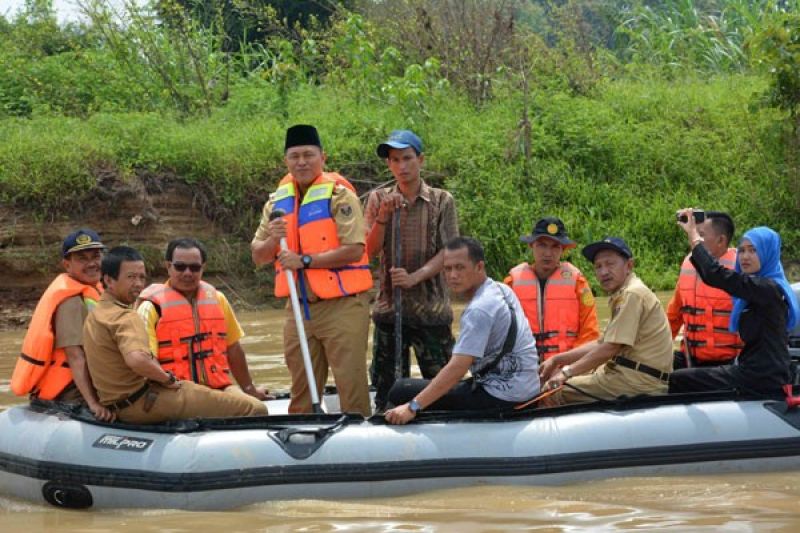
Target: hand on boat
pixel 401 414
pixel 260 393
pixel 102 413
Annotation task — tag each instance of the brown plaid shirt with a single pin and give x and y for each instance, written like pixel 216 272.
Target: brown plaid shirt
pixel 426 226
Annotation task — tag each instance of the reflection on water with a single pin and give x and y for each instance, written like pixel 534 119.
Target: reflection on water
pixel 708 503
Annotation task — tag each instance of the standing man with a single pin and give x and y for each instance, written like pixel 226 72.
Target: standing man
pixel 635 354
pixel 52 365
pixel 191 325
pixel 324 229
pixel 565 316
pixel 427 222
pixel 494 343
pixel 703 311
pixel 129 380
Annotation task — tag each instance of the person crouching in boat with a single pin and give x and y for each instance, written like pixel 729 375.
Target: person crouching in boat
pixel 192 327
pixel 52 363
pixel 764 311
pixel 495 343
pixel 555 295
pixel 634 356
pixel 128 378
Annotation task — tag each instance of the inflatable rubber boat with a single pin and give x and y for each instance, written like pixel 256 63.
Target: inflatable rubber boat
pixel 50 453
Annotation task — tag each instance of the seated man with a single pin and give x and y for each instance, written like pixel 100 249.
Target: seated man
pixel 52 365
pixel 635 354
pixel 193 330
pixel 555 295
pixel 128 378
pixel 495 343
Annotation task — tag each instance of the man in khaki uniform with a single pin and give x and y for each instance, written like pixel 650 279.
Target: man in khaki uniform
pixel 634 355
pixel 324 228
pixel 127 377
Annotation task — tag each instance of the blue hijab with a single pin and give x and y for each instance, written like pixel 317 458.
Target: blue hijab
pixel 767 243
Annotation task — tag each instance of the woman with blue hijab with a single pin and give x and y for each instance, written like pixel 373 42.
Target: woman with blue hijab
pixel 764 311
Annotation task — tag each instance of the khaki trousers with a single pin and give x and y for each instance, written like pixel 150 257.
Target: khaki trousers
pixel 337 338
pixel 160 404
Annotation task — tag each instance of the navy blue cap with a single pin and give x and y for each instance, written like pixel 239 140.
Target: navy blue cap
pixel 82 239
pixel 608 243
pixel 400 139
pixel 552 228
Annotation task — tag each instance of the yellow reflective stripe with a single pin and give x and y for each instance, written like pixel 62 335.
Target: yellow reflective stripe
pixel 284 191
pixel 315 193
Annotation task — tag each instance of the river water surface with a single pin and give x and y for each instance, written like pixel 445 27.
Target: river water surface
pixel 756 502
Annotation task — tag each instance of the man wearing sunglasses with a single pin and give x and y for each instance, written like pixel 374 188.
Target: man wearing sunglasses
pixel 191 325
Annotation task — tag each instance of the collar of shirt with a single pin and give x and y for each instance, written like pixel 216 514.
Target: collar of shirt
pixel 107 297
pixel 423 193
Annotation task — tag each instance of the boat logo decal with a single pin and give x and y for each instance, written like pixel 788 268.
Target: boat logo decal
pixel 120 442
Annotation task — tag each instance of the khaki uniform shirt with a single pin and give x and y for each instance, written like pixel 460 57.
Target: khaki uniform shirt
pixel 426 225
pixel 68 322
pixel 347 214
pixel 639 323
pixel 111 330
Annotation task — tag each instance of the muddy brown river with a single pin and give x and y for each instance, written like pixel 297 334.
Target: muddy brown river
pixel 756 502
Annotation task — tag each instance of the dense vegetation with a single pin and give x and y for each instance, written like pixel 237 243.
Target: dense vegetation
pixel 609 114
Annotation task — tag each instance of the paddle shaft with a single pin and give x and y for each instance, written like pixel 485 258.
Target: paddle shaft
pixel 301 329
pixel 397 299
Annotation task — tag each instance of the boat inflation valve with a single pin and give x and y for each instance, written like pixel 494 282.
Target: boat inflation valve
pixel 301 442
pixel 67 496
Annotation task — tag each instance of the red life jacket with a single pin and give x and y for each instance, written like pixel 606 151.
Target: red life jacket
pixel 311 230
pixel 554 320
pixel 42 369
pixel 706 314
pixel 184 330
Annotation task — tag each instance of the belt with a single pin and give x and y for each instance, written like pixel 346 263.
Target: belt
pixel 130 400
pixel 640 367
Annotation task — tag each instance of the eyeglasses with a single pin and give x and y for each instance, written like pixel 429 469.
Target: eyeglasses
pixel 181 267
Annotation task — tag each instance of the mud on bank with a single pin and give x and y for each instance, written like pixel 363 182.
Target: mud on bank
pixel 144 210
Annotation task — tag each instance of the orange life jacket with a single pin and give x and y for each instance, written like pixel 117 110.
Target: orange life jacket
pixel 191 334
pixel 312 230
pixel 42 369
pixel 555 319
pixel 706 313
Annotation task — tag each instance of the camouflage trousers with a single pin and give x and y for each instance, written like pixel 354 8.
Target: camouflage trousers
pixel 433 346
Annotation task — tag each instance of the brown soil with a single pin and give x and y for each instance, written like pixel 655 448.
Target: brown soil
pixel 145 211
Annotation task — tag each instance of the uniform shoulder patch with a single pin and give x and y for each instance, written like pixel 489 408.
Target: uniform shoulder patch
pixel 587 298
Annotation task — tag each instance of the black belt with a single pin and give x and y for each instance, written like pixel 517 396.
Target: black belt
pixel 130 400
pixel 640 367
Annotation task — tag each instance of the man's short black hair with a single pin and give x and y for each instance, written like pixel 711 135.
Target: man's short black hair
pixel 474 248
pixel 185 243
pixel 722 223
pixel 114 258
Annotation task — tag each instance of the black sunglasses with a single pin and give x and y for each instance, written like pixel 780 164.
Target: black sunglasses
pixel 181 267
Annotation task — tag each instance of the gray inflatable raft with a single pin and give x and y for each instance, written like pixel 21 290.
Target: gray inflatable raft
pixel 50 454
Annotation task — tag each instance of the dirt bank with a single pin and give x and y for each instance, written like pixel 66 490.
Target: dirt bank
pixel 145 210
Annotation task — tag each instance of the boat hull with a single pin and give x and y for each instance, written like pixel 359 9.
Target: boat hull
pixel 48 455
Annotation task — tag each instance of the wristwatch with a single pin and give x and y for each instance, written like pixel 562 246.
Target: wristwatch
pixel 414 406
pixel 567 371
pixel 306 259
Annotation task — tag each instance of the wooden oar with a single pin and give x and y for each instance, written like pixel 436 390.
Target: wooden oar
pixel 397 299
pixel 542 396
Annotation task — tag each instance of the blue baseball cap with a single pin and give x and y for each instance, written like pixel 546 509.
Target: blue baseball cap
pixel 608 243
pixel 82 239
pixel 400 139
